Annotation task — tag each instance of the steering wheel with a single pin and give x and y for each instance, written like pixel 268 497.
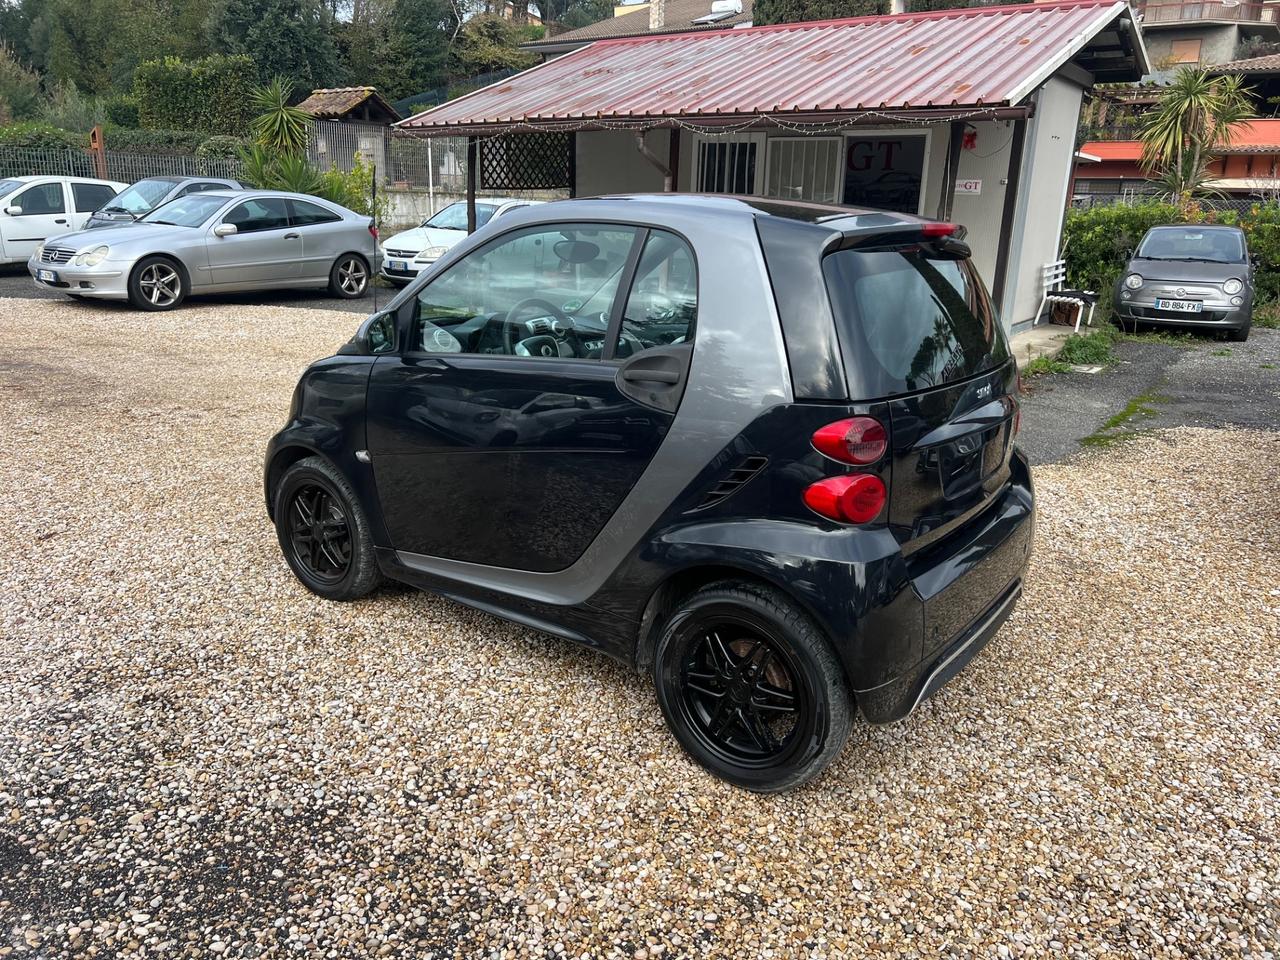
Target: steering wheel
pixel 544 309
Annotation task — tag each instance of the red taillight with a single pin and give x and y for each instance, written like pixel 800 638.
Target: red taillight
pixel 853 498
pixel 938 229
pixel 858 440
pixel 373 230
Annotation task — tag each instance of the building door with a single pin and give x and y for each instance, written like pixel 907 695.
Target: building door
pixel 886 170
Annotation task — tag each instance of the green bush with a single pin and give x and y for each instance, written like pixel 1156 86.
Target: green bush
pixel 354 190
pixel 211 95
pixel 19 88
pixel 164 142
pixel 40 136
pixel 220 148
pixel 122 111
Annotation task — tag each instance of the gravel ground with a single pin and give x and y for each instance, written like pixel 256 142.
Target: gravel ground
pixel 199 759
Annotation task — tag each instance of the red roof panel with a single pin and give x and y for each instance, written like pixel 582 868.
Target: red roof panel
pixel 980 56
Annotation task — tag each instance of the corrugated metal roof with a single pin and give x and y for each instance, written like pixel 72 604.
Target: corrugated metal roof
pixel 981 56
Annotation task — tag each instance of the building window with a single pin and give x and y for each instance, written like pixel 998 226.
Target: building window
pixel 885 171
pixel 1185 51
pixel 804 168
pixel 727 166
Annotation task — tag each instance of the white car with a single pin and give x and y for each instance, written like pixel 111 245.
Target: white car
pixel 411 251
pixel 33 209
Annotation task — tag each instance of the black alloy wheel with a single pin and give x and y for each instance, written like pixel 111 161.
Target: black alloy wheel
pixel 750 687
pixel 319 533
pixel 323 531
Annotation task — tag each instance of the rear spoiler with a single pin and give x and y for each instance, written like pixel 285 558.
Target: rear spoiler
pixel 938 238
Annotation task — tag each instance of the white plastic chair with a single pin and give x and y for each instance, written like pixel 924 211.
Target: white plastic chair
pixel 1053 276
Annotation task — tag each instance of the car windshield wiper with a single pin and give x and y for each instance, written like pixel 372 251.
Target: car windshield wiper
pixel 167 223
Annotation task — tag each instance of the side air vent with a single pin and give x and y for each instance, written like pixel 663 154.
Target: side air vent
pixel 732 482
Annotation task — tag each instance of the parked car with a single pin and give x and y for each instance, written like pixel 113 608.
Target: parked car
pixel 593 421
pixel 33 209
pixel 215 242
pixel 1191 275
pixel 409 252
pixel 139 199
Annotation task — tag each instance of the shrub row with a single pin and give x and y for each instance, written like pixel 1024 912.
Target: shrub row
pixel 211 94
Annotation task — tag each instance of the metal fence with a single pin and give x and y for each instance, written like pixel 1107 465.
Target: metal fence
pixel 1240 204
pixel 125 167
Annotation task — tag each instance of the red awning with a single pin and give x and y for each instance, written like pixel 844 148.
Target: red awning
pixel 949 60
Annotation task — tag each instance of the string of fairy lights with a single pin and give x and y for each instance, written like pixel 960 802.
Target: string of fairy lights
pixel 730 129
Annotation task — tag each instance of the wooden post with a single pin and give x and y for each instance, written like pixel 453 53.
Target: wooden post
pixel 472 158
pixel 98 152
pixel 673 160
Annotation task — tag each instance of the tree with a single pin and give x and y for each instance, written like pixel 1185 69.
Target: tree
pixel 488 43
pixel 19 88
pixel 1194 115
pixel 278 126
pixel 795 11
pixel 289 37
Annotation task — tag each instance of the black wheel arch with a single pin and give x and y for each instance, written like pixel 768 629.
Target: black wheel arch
pixel 668 595
pixel 281 460
pixel 182 269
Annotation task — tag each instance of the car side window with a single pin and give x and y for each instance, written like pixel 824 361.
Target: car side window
pixel 543 291
pixel 41 199
pixel 662 306
pixel 260 213
pixel 91 196
pixel 305 214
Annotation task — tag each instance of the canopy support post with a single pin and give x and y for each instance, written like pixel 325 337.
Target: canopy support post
pixel 1007 216
pixel 472 154
pixel 643 146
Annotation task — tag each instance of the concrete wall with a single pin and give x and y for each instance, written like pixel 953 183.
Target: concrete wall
pixel 608 162
pixel 1042 197
pixel 1217 42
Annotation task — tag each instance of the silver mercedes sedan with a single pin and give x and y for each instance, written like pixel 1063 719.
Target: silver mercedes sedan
pixel 216 242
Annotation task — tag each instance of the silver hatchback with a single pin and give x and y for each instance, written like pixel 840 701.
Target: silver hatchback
pixel 1190 275
pixel 215 242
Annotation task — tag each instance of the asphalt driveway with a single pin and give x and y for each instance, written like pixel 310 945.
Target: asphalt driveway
pixel 1155 385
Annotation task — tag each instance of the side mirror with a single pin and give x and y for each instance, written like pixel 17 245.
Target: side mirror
pixel 13 210
pixel 225 230
pixel 1255 259
pixel 376 335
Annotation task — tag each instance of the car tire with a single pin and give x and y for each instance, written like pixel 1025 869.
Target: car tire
pixel 324 533
pixel 349 277
pixel 750 687
pixel 157 283
pixel 1239 335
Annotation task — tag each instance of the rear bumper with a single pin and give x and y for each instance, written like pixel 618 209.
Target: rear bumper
pixel 964 593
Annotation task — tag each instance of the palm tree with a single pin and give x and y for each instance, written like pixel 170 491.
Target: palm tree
pixel 278 126
pixel 1194 116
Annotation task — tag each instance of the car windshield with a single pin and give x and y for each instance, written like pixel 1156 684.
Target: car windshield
pixel 454 216
pixel 1192 243
pixel 193 210
pixel 141 197
pixel 8 186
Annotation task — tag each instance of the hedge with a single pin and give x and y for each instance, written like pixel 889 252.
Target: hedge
pixel 183 143
pixel 211 95
pixel 1097 241
pixel 40 136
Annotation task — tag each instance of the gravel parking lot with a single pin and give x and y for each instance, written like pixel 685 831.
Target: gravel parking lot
pixel 199 759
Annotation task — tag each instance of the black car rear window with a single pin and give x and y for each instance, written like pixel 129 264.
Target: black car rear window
pixel 908 321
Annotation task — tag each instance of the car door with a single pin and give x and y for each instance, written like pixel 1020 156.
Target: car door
pixel 33 215
pixel 325 235
pixel 265 247
pixel 508 429
pixel 86 197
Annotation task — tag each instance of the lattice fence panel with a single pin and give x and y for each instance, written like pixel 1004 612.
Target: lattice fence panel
pixel 526 161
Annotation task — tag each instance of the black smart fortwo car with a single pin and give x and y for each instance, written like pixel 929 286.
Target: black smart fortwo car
pixel 763 450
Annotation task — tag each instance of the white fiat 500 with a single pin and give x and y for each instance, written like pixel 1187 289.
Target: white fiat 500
pixel 407 253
